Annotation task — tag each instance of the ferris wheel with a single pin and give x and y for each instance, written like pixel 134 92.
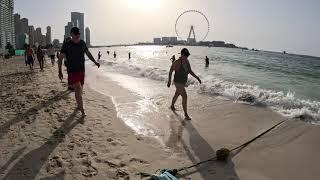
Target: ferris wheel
pixel 192 26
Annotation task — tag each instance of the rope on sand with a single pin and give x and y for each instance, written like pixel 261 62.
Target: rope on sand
pixel 221 155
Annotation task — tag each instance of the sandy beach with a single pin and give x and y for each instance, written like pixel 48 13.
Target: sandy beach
pixel 42 137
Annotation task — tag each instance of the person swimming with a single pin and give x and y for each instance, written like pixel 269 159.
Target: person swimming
pixel 182 68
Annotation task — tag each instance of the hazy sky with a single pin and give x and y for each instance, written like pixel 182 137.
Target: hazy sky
pixel 290 25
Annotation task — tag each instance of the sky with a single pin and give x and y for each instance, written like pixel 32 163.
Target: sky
pixel 275 25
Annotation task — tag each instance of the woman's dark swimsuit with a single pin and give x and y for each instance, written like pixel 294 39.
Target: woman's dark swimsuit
pixel 181 75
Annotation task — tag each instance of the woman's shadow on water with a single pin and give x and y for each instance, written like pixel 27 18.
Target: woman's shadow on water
pixel 30 164
pixel 199 150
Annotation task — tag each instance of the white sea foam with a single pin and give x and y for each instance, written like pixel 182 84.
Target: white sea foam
pixel 284 103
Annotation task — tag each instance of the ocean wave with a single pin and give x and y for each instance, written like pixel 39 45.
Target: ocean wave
pixel 284 103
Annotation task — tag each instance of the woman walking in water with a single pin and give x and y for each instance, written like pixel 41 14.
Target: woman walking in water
pixel 182 68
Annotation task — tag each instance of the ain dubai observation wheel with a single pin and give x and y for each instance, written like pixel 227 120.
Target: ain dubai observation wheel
pixel 192 26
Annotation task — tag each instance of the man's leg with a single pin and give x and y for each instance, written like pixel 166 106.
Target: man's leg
pixel 78 95
pixel 174 99
pixel 184 103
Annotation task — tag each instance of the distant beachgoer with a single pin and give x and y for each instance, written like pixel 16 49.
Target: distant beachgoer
pixel 29 57
pixel 99 55
pixel 75 51
pixel 40 57
pixel 51 54
pixel 114 54
pixel 108 52
pixel 129 55
pixel 173 59
pixel 207 61
pixel 182 68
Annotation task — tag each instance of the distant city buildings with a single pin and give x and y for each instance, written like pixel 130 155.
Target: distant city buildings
pixel 88 37
pixel 77 20
pixel 190 41
pixel 26 34
pixel 157 41
pixel 7 34
pixel 165 40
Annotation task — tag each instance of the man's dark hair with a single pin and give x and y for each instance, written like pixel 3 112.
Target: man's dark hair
pixel 75 31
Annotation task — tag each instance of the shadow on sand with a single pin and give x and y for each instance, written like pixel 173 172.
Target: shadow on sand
pixel 198 149
pixel 4 128
pixel 30 164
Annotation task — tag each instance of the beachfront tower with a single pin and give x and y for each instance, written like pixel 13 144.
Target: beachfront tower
pixel 7 34
pixel 48 35
pixel 88 37
pixel 77 19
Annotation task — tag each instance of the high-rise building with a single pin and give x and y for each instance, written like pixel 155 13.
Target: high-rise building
pixel 43 40
pixel 24 25
pixel 7 34
pixel 77 20
pixel 67 29
pixel 31 35
pixel 48 35
pixel 88 37
pixel 38 37
pixel 17 24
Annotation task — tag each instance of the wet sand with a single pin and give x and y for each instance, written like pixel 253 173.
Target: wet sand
pixel 41 137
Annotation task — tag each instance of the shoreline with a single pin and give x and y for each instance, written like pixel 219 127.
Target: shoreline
pixel 38 125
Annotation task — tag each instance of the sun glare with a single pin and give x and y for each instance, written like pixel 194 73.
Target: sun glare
pixel 143 4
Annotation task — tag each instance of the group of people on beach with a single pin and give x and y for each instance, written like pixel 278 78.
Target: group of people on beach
pixel 74 50
pixel 40 54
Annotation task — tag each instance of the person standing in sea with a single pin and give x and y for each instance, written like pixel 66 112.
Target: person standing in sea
pixel 75 50
pixel 114 54
pixel 182 68
pixel 99 55
pixel 129 55
pixel 207 61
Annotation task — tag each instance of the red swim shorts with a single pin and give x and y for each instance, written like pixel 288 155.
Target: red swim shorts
pixel 76 77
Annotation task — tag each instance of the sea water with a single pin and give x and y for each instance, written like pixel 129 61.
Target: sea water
pixel 288 84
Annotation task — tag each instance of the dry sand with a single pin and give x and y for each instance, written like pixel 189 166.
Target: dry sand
pixel 41 137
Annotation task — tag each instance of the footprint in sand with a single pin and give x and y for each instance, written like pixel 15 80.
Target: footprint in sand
pixel 122 174
pixel 137 160
pixel 55 163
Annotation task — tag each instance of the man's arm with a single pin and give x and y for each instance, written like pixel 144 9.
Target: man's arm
pixel 193 74
pixel 60 59
pixel 92 58
pixel 170 74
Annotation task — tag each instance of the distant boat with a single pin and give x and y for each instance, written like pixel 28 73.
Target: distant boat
pixel 169 46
